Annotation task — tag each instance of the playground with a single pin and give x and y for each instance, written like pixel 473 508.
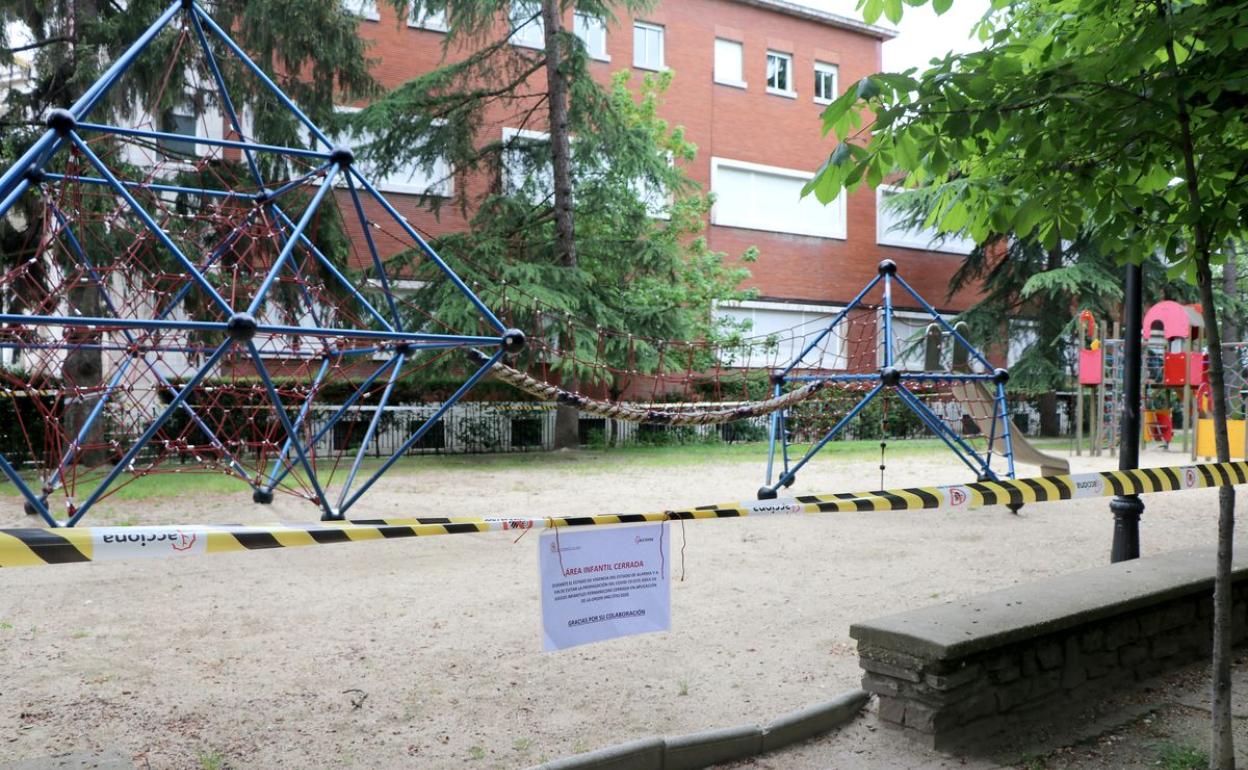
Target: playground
pixel 425 652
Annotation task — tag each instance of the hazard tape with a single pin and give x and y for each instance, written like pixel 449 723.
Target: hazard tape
pixel 34 546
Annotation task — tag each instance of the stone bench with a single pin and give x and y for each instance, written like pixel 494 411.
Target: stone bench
pixel 958 675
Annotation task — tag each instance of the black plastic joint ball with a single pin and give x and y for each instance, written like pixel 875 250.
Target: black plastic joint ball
pixel 887 267
pixel 1000 376
pixel 766 493
pixel 62 121
pixel 777 378
pixel 342 155
pixel 262 496
pixel 513 341
pixel 241 327
pixel 890 376
pixel 35 175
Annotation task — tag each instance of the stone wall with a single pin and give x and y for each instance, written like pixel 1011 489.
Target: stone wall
pixel 1028 653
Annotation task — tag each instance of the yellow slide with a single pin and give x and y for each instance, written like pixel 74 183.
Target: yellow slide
pixel 977 402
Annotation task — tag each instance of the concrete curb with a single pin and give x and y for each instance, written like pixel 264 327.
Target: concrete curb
pixel 709 747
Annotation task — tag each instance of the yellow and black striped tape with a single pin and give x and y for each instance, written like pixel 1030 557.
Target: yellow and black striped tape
pixel 33 546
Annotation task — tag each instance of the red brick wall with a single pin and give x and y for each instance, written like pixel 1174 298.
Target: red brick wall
pixel 749 125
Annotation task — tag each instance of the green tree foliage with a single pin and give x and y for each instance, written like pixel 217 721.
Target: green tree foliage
pixel 1120 119
pixel 635 272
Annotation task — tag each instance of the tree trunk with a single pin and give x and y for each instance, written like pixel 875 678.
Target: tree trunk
pixel 82 373
pixel 1050 329
pixel 1230 287
pixel 1222 755
pixel 567 418
pixel 83 367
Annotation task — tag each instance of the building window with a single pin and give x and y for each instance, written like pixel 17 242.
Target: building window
pixel 408 179
pixel 593 33
pixel 527 27
pixel 780 74
pixel 647 46
pixel 427 19
pixel 890 231
pixel 768 198
pixel 779 332
pixel 174 122
pixel 365 9
pixel 909 339
pixel 825 82
pixel 526 164
pixel 729 62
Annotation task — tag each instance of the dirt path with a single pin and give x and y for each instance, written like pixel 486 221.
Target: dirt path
pixel 426 653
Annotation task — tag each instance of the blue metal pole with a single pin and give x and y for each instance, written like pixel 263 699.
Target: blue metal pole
pixel 430 253
pixel 151 225
pixel 952 440
pixel 299 182
pixel 207 193
pixel 433 340
pixel 22 186
pixel 284 255
pixel 303 413
pixel 944 324
pixel 372 250
pixel 333 420
pixel 329 266
pixel 156 425
pixel 372 428
pixel 1007 434
pixel 99 88
pixel 853 303
pixel 888 320
pixel 284 419
pixel 15 174
pixel 423 429
pixel 831 434
pixel 224 92
pixel 771 439
pixel 242 55
pixel 143 133
pixel 26 491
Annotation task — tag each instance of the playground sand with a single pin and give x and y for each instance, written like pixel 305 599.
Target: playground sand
pixel 426 653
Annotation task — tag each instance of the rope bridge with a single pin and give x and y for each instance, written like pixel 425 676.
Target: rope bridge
pixel 29 547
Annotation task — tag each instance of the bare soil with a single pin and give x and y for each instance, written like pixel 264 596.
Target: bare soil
pixel 426 653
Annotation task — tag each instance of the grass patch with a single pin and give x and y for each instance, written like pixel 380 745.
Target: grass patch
pixel 199 483
pixel 1181 756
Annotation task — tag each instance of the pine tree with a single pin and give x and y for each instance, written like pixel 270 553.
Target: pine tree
pixel 598 218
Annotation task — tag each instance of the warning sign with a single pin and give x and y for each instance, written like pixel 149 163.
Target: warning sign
pixel 598 584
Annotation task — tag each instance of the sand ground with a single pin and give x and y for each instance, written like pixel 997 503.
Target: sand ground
pixel 426 653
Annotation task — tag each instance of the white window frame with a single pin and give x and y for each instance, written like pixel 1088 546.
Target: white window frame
pixel 839 351
pixel 911 240
pixel 925 320
pixel 791 91
pixel 723 80
pixel 647 27
pixel 824 68
pixel 836 209
pixel 443 185
pixel 583 26
pixel 532 33
pixel 434 21
pixel 363 9
pixel 510 187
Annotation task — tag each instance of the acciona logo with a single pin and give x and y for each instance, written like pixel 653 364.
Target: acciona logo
pixel 774 506
pixel 145 542
pixel 958 497
pixel 1088 485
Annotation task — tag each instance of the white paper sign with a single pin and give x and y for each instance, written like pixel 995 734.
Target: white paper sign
pixel 602 582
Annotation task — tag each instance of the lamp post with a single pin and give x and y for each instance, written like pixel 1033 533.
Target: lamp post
pixel 1128 508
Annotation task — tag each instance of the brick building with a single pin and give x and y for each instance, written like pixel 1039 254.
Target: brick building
pixel 750 79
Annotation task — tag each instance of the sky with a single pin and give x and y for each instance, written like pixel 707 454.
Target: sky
pixel 924 35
